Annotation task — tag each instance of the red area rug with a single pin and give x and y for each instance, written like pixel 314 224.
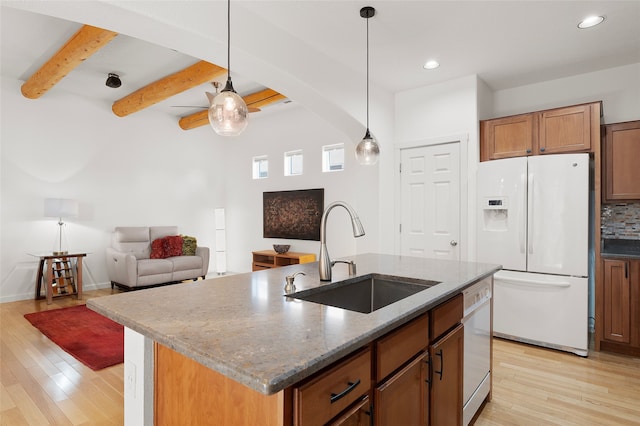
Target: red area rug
pixel 89 337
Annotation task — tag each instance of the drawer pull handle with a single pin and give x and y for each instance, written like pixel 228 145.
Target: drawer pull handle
pixel 337 396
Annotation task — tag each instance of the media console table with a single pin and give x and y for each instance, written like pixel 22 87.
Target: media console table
pixel 267 259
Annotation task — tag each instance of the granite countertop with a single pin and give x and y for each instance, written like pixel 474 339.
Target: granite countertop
pixel 242 326
pixel 620 248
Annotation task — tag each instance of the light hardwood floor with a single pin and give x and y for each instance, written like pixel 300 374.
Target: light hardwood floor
pixel 40 384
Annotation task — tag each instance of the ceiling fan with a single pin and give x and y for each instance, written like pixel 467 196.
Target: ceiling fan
pixel 210 97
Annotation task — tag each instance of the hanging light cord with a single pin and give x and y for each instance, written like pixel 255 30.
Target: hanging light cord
pixel 367 75
pixel 228 39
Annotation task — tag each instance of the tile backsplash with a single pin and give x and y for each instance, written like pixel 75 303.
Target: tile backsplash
pixel 621 221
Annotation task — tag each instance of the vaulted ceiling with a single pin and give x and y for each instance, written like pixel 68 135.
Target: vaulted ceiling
pixel 308 52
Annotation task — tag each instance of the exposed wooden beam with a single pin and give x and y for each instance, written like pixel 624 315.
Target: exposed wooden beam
pixel 263 98
pixel 254 100
pixel 199 119
pixel 84 43
pixel 195 75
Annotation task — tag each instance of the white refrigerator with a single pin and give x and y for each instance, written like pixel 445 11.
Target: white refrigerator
pixel 533 219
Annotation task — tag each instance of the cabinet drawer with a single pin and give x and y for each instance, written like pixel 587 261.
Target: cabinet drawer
pixel 399 346
pixel 446 316
pixel 325 396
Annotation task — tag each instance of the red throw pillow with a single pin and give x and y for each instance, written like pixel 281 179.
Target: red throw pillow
pixel 173 246
pixel 157 249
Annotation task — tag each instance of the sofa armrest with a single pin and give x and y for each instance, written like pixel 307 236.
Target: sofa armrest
pixel 122 268
pixel 203 252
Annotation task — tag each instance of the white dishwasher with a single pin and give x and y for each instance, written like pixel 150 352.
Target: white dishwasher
pixel 477 347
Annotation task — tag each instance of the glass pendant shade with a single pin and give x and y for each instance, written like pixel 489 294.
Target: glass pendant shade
pixel 367 150
pixel 228 112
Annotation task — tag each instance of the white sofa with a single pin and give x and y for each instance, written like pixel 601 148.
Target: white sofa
pixel 129 265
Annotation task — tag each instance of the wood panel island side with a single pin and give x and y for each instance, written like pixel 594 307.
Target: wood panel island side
pixel 236 350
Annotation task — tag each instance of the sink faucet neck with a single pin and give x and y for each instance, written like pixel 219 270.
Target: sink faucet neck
pixel 324 263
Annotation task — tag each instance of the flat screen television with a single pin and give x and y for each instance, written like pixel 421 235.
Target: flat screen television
pixel 294 215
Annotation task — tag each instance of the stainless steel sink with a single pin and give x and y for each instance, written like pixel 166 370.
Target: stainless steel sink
pixel 364 294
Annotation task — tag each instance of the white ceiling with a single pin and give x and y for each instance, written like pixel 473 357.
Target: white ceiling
pixel 314 51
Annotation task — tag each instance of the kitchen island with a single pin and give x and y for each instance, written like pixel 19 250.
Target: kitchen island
pixel 243 328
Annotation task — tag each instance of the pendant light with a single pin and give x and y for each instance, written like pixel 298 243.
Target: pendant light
pixel 228 113
pixel 367 151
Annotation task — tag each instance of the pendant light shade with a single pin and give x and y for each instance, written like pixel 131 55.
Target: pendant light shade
pixel 228 112
pixel 367 150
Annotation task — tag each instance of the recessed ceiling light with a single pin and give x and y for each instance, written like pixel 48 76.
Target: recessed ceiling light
pixel 590 21
pixel 430 65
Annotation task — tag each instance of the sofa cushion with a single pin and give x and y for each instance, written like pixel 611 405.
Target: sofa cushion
pixel 172 245
pixel 189 245
pixel 154 267
pixel 156 232
pixel 132 234
pixel 157 249
pixel 184 263
pixel 132 239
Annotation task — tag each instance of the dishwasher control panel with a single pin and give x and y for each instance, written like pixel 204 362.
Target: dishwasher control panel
pixel 476 295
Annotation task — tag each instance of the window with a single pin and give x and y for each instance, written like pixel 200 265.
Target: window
pixel 293 163
pixel 333 158
pixel 260 167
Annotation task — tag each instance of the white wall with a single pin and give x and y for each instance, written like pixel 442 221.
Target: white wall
pixel 144 170
pixel 298 129
pixel 618 88
pixel 135 171
pixel 442 113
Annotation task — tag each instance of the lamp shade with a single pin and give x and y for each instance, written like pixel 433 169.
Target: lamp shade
pixel 60 207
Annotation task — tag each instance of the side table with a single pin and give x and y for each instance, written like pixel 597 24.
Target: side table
pixel 61 275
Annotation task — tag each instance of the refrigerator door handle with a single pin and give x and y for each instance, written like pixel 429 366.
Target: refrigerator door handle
pixel 534 283
pixel 522 221
pixel 530 213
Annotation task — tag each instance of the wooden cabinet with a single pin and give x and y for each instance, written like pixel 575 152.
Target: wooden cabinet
pixel 446 381
pixel 411 375
pixel 446 353
pixel 403 399
pixel 567 129
pixel 358 415
pixel 554 131
pixel 326 395
pixel 267 259
pixel 621 306
pixel 507 137
pixel 621 153
pixel 402 393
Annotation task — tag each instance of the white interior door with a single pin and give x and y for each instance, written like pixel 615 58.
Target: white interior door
pixel 430 201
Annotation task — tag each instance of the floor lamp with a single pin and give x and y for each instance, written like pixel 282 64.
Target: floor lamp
pixel 60 207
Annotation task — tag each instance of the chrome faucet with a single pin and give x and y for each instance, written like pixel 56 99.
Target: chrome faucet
pixel 324 263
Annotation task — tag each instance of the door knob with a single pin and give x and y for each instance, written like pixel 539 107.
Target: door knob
pixel 453 243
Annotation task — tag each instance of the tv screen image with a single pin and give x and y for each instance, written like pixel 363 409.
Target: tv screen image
pixel 293 215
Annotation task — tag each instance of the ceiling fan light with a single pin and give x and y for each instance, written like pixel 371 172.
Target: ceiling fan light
pixel 367 150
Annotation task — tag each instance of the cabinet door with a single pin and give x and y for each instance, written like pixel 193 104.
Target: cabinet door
pixel 447 355
pixel 358 415
pixel 621 153
pixel 565 130
pixel 507 137
pixel 403 399
pixel 616 301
